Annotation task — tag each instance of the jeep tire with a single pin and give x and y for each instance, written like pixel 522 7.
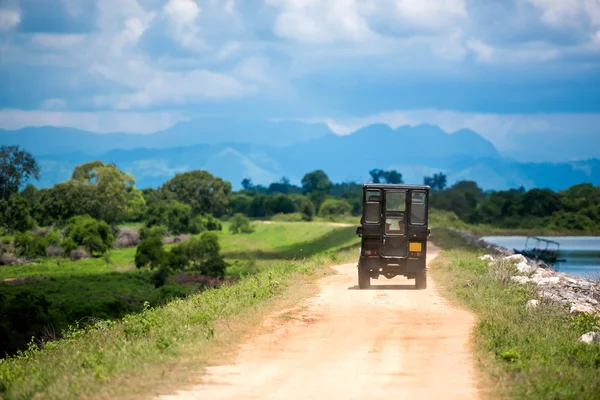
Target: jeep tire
pixel 421 279
pixel 364 280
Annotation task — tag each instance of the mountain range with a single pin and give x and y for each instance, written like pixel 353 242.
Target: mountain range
pixel 265 151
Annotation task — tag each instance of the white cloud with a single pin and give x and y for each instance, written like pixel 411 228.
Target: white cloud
pixel 559 13
pixel 229 6
pixel 182 15
pixel 320 21
pixel 431 12
pixel 53 104
pixel 133 30
pixel 9 19
pixel 58 42
pixel 483 52
pixel 99 122
pixel 152 87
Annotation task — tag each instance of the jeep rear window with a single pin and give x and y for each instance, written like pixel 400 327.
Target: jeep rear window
pixel 373 206
pixel 417 208
pixel 395 201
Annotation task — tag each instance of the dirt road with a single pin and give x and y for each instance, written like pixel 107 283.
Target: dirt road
pixel 390 342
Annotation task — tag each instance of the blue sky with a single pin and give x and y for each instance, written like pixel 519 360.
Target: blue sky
pixel 511 70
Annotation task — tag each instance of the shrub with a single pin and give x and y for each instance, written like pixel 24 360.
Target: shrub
pixel 155 230
pixel 203 253
pixel 96 236
pixel 334 207
pixel 150 252
pixel 30 245
pixel 206 222
pixel 53 238
pixel 240 224
pixel 307 209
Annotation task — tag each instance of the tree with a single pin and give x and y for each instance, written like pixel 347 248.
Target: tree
pixel 376 175
pixel 15 214
pixel 307 209
pixel 317 185
pixel 150 252
pixel 96 236
pixel 175 215
pixel 202 191
pixel 16 167
pixel 316 181
pixel 66 200
pixel 437 182
pixel 247 184
pixel 393 177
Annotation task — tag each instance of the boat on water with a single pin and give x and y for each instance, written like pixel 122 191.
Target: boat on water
pixel 544 250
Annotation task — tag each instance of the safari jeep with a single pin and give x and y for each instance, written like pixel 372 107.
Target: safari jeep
pixel 394 233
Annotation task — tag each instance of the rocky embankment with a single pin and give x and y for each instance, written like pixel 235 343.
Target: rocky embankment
pixel 581 294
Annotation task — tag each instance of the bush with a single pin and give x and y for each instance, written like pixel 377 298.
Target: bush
pixel 53 238
pixel 240 224
pixel 203 253
pixel 334 207
pixel 156 230
pixel 30 245
pixel 150 252
pixel 201 223
pixel 307 209
pixel 96 236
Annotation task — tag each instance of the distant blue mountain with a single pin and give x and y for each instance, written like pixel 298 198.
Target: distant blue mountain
pixel 266 151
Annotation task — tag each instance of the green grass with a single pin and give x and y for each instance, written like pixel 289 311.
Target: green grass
pixel 89 289
pixel 86 361
pixel 526 354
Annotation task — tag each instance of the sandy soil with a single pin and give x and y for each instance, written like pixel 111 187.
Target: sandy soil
pixel 390 342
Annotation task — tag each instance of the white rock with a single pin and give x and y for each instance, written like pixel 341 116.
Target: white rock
pixel 525 268
pixel 590 338
pixel 486 257
pixel 581 309
pixel 532 303
pixel 516 259
pixel 520 279
pixel 547 281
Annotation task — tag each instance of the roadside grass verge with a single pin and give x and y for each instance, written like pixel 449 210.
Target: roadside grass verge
pixel 87 360
pixel 525 353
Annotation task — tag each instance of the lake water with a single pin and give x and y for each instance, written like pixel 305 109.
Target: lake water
pixel 581 254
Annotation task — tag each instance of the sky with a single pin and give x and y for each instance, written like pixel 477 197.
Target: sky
pixel 516 71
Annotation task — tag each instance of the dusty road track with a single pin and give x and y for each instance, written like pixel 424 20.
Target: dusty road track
pixel 390 342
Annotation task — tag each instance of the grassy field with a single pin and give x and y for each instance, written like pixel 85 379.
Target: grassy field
pixel 524 354
pixel 56 293
pixel 146 347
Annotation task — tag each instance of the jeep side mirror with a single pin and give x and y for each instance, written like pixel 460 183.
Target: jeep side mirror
pixel 359 231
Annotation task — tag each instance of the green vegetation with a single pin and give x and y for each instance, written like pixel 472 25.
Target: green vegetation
pixel 100 288
pixel 240 224
pixel 527 353
pixel 88 359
